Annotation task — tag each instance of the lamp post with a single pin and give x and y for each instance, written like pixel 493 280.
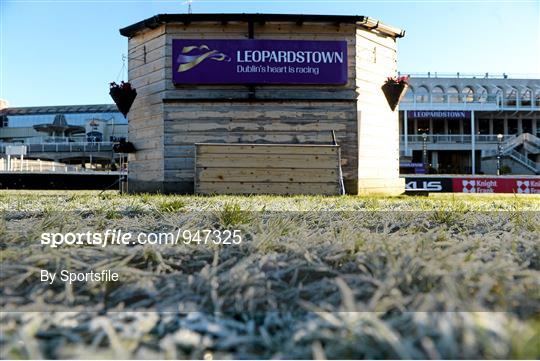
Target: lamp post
pixel 499 153
pixel 424 151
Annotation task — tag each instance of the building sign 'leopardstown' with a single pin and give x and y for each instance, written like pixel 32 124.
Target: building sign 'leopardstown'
pixel 259 62
pixel 425 114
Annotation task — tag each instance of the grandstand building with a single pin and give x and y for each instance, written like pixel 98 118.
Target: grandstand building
pixel 74 134
pixel 463 124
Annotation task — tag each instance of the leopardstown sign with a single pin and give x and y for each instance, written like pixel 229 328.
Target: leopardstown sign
pixel 205 61
pixel 426 114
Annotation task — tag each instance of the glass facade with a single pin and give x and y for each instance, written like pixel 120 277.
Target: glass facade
pixel 498 126
pixel 28 121
pixel 438 126
pixel 526 125
pixel 512 126
pixel 483 126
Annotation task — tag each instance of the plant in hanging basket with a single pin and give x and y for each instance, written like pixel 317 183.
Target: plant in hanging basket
pixel 123 95
pixel 124 147
pixel 394 88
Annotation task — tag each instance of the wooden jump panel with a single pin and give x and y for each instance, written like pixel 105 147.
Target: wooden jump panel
pixel 267 169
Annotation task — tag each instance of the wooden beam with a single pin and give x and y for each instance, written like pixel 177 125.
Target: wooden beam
pixel 251 30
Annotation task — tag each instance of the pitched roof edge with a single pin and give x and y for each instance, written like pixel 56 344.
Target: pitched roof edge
pixel 157 20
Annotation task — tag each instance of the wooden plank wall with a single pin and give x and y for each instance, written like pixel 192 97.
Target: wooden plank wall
pixel 267 169
pixel 277 113
pixel 378 125
pixel 282 122
pixel 147 74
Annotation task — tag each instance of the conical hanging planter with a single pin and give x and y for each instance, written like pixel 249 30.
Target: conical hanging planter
pixel 124 147
pixel 394 90
pixel 123 95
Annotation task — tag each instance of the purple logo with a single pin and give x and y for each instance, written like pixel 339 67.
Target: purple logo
pixel 191 56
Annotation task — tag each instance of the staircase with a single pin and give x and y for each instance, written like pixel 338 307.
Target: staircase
pixel 529 142
pixel 523 160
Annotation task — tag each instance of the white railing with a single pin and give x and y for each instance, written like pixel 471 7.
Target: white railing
pixel 455 101
pixel 63 147
pixel 514 141
pixel 528 137
pixel 511 143
pixel 523 160
pixel 436 74
pixel 446 98
pixel 428 104
pixel 49 139
pixel 454 138
pixel 45 166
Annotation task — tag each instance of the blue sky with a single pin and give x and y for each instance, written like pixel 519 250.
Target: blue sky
pixel 66 52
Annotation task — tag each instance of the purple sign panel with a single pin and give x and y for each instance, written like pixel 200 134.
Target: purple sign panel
pixel 259 62
pixel 426 114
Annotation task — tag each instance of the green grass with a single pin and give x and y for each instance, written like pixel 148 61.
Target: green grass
pixel 449 276
pixel 171 206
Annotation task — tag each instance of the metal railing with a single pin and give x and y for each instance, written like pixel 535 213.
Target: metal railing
pixel 449 101
pixel 436 74
pixel 454 138
pixel 508 149
pixel 510 144
pixel 523 160
pixel 39 166
pixel 531 138
pixel 63 147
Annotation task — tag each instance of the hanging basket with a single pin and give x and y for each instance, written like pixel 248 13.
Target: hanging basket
pixel 124 147
pixel 123 96
pixel 394 90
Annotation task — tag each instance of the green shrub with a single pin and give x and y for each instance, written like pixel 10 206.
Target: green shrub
pixel 505 169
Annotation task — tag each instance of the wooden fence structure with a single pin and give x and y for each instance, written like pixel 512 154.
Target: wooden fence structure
pixel 267 169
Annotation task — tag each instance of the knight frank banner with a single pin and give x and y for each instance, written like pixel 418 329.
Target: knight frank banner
pixel 519 185
pixel 259 62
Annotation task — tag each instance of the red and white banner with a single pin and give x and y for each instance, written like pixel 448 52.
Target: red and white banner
pixel 528 186
pixel 496 185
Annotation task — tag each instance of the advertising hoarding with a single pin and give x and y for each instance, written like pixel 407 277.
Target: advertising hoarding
pixel 203 61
